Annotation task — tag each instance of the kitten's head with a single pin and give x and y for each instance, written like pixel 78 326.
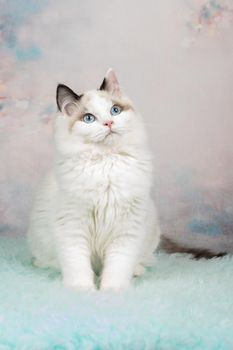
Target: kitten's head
pixel 103 116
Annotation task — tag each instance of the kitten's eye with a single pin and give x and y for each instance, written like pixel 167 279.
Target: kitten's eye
pixel 115 110
pixel 88 118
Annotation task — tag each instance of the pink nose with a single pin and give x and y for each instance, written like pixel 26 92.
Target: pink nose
pixel 109 123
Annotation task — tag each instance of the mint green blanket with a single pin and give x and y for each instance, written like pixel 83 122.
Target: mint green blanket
pixel 181 304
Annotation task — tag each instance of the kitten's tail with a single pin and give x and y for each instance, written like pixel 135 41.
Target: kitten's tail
pixel 169 246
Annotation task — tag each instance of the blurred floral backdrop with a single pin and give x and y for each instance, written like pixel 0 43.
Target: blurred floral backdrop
pixel 173 58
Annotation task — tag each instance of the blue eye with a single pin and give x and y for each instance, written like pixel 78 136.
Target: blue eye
pixel 115 110
pixel 88 118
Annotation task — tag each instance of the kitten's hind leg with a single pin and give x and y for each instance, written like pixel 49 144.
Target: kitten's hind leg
pixel 38 263
pixel 44 264
pixel 139 270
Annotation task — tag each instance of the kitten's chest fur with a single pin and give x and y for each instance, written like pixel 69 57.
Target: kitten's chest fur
pixel 109 187
pixel 105 180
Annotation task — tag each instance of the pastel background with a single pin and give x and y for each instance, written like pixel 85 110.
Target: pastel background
pixel 173 58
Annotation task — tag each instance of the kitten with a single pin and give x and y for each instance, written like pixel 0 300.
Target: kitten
pixel 93 214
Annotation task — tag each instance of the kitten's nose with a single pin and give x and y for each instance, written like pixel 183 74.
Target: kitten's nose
pixel 109 123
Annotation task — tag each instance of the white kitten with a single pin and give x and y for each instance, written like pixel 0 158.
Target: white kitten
pixel 93 213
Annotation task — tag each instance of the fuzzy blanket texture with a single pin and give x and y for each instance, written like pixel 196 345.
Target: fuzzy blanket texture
pixel 179 304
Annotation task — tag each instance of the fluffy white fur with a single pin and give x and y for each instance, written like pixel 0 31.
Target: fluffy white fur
pixel 93 214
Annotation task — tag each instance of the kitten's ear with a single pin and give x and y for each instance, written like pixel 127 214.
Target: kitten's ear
pixel 110 83
pixel 67 100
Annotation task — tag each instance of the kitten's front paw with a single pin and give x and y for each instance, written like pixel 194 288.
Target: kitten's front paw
pixel 114 286
pixel 80 286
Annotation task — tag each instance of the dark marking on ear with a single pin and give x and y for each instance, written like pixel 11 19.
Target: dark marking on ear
pixel 171 247
pixel 64 92
pixel 103 85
